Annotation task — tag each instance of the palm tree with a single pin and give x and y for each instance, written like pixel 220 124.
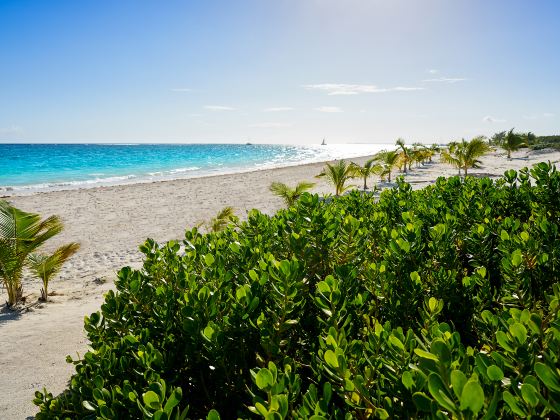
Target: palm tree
pixel 388 159
pixel 367 170
pixel 47 266
pixel 290 195
pixel 434 149
pixel 405 157
pixel 512 142
pixel 21 233
pixel 464 155
pixel 224 216
pixel 338 174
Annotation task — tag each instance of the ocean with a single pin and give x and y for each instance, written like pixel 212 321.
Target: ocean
pixel 46 167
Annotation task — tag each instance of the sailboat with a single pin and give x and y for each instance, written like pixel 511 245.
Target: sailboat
pixel 324 143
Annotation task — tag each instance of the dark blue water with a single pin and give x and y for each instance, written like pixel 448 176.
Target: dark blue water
pixel 60 166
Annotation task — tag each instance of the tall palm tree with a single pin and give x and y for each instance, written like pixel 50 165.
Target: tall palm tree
pixel 47 266
pixel 512 142
pixel 464 155
pixel 338 174
pixel 290 195
pixel 388 160
pixel 367 170
pixel 21 233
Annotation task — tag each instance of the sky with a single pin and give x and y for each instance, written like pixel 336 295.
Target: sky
pixel 277 71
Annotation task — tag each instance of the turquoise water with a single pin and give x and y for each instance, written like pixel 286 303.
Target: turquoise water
pixel 40 167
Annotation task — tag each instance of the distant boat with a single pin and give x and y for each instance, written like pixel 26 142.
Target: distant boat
pixel 248 144
pixel 324 143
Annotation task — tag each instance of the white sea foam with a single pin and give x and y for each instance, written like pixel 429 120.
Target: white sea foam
pixel 306 154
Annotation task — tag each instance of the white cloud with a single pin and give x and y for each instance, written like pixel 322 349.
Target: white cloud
pixel 350 89
pixel 278 109
pixel 194 115
pixel 270 125
pixel 181 90
pixel 328 109
pixel 490 119
pixel 218 108
pixel 548 114
pixel 445 80
pixel 433 71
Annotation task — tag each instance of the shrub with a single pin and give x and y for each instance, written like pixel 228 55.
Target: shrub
pixel 442 302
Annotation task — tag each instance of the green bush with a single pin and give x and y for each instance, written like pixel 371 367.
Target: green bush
pixel 438 303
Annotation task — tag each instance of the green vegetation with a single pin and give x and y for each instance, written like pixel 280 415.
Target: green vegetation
pixel 388 160
pixel 465 154
pixel 46 267
pixel 513 142
pixel 338 174
pixel 369 169
pixel 221 220
pixel 21 234
pixel 436 303
pixel 290 195
pixel 534 142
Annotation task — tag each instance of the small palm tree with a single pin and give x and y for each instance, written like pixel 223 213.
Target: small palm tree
pixel 512 142
pixel 389 160
pixel 464 155
pixel 434 148
pixel 47 266
pixel 367 170
pixel 338 174
pixel 404 155
pixel 21 233
pixel 224 216
pixel 290 195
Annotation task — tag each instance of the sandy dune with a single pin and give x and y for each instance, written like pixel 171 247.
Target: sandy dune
pixel 110 223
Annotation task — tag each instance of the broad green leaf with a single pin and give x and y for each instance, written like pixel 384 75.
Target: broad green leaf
pixel 458 381
pixel 173 400
pixel 208 332
pixel 511 401
pixel 495 373
pixel 503 341
pixel 396 342
pixel 516 258
pixel 425 355
pixel 530 394
pixel 213 415
pixel 547 376
pixel 472 397
pixel 518 331
pixel 209 259
pixel 407 380
pixel 440 393
pixel 441 350
pixel 151 399
pixel 264 378
pixel 331 359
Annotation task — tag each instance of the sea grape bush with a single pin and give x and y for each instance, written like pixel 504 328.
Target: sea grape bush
pixel 437 303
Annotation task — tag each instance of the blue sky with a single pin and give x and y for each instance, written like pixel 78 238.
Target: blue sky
pixel 282 71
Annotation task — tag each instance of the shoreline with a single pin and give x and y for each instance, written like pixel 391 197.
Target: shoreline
pixel 327 153
pixel 111 222
pixel 8 194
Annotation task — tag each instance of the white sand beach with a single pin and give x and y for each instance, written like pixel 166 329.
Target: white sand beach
pixel 110 223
